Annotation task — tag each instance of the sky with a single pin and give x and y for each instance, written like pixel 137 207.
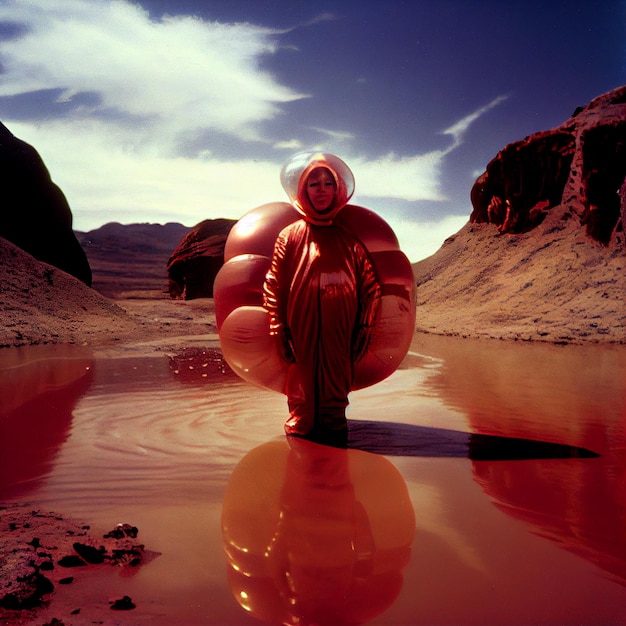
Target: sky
pixel 181 110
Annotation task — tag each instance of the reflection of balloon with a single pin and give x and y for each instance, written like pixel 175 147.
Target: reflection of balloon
pixel 315 534
pixel 239 288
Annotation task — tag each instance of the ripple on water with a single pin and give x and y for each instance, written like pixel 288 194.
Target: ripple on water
pixel 139 430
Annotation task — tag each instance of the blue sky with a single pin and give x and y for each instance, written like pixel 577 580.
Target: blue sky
pixel 181 110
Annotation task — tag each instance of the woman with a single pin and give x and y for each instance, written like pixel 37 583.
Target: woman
pixel 322 295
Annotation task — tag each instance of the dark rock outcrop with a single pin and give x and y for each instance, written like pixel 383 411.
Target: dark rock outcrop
pixel 580 165
pixel 197 259
pixel 34 541
pixel 35 214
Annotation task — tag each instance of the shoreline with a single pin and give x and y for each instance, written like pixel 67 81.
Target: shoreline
pixel 159 324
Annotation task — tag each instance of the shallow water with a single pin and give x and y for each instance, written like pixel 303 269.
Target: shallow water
pixel 407 526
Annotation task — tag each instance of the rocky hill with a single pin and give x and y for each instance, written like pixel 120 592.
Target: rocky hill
pixel 43 304
pixel 543 256
pixel 194 264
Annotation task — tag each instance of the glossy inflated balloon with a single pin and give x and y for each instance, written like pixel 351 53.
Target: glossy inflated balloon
pixel 371 229
pixel 250 350
pixel 256 231
pixel 239 283
pixel 315 277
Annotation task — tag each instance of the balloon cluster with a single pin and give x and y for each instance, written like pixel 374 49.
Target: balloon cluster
pixel 243 323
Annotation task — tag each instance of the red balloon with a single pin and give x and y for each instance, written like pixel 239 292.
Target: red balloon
pixel 250 350
pixel 256 231
pixel 389 344
pixel 375 234
pixel 239 283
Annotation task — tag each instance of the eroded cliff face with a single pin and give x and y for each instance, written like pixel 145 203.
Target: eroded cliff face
pixel 542 258
pixel 579 166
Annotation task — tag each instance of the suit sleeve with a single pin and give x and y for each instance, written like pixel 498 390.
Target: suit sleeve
pixel 369 293
pixel 275 295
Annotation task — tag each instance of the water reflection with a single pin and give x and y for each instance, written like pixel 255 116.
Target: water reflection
pixel 574 396
pixel 155 440
pixel 39 388
pixel 316 534
pixel 577 504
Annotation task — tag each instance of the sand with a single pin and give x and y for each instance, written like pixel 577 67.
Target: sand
pixel 553 284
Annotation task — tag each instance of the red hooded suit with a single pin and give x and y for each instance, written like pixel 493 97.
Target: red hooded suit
pixel 322 295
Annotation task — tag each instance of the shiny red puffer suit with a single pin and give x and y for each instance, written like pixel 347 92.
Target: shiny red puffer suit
pixel 322 295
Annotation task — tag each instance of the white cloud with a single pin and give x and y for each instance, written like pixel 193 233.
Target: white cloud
pixel 156 81
pixel 104 182
pixel 159 81
pixel 175 75
pixel 327 16
pixel 289 144
pixel 458 129
pixel 337 135
pixel 419 240
pixel 408 178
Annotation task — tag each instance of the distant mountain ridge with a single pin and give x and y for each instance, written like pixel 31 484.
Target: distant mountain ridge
pixel 153 236
pixel 130 260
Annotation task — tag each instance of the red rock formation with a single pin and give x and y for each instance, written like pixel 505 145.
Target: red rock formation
pixel 580 165
pixel 197 259
pixel 35 214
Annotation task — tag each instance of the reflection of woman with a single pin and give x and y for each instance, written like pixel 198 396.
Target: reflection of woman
pixel 322 294
pixel 316 535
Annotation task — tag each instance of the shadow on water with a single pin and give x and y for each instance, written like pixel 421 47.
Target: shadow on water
pixel 565 493
pixel 396 439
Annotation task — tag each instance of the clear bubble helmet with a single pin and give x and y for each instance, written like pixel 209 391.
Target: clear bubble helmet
pixel 243 322
pixel 294 177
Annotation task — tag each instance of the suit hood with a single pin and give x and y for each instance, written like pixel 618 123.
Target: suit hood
pixel 295 173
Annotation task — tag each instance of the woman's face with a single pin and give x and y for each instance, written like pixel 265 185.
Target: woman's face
pixel 321 188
